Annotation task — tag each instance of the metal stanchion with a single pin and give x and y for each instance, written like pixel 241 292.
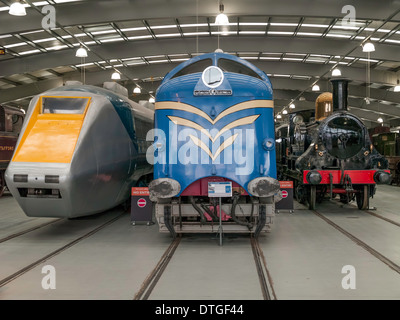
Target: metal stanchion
pixel 220 222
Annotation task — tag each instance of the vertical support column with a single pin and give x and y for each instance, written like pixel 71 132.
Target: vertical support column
pixel 220 230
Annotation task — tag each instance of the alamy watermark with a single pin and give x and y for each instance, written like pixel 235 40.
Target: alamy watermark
pixel 189 146
pixel 349 280
pixel 49 20
pixel 49 280
pixel 349 20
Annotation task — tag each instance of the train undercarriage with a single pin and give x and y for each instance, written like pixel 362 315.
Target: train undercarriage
pixel 346 185
pixel 202 215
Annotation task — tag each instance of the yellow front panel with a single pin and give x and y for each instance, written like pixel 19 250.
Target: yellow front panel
pixel 50 141
pixel 50 138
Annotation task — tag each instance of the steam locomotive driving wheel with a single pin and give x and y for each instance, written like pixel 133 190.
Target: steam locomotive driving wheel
pixel 312 197
pixel 362 197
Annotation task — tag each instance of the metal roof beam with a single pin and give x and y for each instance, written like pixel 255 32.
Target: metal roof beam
pixel 78 13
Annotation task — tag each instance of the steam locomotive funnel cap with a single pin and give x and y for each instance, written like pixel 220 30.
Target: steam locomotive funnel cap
pixel 340 93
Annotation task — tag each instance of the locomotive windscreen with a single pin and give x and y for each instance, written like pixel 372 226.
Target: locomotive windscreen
pixel 64 105
pixel 343 137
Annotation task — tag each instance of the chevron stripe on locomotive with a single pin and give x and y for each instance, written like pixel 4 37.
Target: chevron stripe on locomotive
pixel 214 128
pixel 331 155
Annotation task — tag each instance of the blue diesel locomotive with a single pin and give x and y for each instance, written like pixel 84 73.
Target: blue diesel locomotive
pixel 80 150
pixel 214 138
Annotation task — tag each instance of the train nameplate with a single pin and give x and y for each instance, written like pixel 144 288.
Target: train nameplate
pixel 212 92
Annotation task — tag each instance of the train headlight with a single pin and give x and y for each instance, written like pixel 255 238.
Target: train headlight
pixel 164 188
pixel 382 177
pixel 263 187
pixel 268 144
pixel 314 177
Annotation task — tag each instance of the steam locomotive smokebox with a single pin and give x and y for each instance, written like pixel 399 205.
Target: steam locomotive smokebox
pixel 141 206
pixel 287 196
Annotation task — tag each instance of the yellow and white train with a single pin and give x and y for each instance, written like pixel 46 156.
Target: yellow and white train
pixel 80 150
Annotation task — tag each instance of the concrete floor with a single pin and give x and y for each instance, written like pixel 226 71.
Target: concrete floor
pixel 305 256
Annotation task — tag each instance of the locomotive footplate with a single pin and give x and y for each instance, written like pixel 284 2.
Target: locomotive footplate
pixel 336 177
pixel 183 218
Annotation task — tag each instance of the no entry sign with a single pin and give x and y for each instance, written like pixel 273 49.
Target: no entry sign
pixel 287 196
pixel 141 203
pixel 141 206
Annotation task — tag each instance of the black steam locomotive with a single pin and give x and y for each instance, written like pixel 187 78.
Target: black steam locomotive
pixel 329 151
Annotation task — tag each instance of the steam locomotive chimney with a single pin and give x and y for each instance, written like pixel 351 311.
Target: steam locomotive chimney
pixel 340 94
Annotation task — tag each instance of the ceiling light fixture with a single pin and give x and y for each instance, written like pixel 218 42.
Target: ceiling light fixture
pixel 397 88
pixel 380 120
pixel 137 90
pixel 284 111
pixel 336 72
pixel 292 106
pixel 116 76
pixel 222 18
pixel 152 100
pixel 368 47
pixel 81 53
pixel 17 9
pixel 315 87
pixel 279 116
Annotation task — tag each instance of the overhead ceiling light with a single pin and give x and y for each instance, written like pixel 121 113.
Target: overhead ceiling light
pixel 152 100
pixel 397 88
pixel 380 120
pixel 81 53
pixel 222 18
pixel 368 47
pixel 137 90
pixel 315 87
pixel 292 106
pixel 279 116
pixel 17 9
pixel 116 76
pixel 336 72
pixel 284 111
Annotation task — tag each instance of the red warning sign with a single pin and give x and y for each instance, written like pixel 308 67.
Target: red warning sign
pixel 286 184
pixel 140 191
pixel 284 194
pixel 141 203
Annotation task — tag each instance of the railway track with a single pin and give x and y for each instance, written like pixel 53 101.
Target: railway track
pixel 359 242
pixel 383 218
pixel 264 276
pixel 29 267
pixel 17 234
pixel 152 279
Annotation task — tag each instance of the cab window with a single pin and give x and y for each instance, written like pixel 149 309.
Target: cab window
pixel 195 67
pixel 227 65
pixel 64 105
